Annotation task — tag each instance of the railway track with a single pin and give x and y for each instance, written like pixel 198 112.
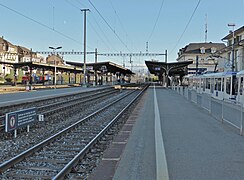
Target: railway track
pixel 57 155
pixel 51 106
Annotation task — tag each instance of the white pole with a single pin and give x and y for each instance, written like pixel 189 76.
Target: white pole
pixel 55 69
pixel 28 128
pixel 15 133
pixel 241 129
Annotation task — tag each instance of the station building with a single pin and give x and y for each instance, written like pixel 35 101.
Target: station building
pixel 234 49
pixel 201 56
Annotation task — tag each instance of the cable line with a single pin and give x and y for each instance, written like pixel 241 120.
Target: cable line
pixel 109 25
pixel 156 20
pixel 77 7
pixel 186 26
pixel 41 24
pixel 118 18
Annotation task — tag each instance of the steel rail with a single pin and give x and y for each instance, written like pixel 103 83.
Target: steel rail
pixel 2 118
pixel 9 163
pixel 73 100
pixel 77 158
pixel 50 97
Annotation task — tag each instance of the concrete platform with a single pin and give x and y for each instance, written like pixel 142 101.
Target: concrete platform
pixel 195 145
pixel 25 96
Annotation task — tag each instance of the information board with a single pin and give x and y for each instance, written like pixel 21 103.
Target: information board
pixel 18 119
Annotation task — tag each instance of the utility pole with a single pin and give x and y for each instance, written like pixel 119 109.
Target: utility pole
pixel 166 58
pixel 31 66
pixel 196 65
pixel 233 46
pixel 146 47
pixel 95 69
pixel 131 63
pixel 84 67
pixel 206 28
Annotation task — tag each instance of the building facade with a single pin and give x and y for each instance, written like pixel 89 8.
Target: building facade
pixel 10 53
pixel 231 58
pixel 201 55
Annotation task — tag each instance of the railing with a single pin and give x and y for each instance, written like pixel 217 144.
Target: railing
pixel 229 111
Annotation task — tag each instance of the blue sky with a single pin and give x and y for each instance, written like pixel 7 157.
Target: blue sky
pixel 131 20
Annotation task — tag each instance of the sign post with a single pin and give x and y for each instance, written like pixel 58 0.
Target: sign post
pixel 18 119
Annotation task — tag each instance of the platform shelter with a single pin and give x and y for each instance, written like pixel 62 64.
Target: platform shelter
pixel 105 72
pixel 168 72
pixel 45 67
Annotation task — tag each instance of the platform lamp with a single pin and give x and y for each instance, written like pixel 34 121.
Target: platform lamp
pixel 55 68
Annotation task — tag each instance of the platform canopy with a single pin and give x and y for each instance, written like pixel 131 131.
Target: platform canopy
pixel 103 67
pixel 44 65
pixel 170 69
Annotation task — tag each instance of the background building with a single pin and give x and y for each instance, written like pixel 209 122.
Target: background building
pixel 235 46
pixel 201 55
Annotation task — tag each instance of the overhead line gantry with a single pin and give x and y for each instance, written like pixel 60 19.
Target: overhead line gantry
pixel 120 54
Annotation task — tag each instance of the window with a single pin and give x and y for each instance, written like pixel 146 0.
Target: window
pixel 215 84
pixel 204 84
pixel 218 84
pixel 202 49
pixel 235 86
pixel 212 85
pixel 213 50
pixel 241 86
pixel 229 43
pixel 208 83
pixel 223 84
pixel 238 38
pixel 228 56
pixel 228 84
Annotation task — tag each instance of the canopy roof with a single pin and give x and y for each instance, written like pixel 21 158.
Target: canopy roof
pixel 103 67
pixel 45 66
pixel 174 68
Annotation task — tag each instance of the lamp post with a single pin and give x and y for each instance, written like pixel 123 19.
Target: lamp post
pixel 233 42
pixel 55 68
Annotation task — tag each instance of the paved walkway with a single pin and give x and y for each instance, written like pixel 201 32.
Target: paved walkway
pixel 20 97
pixel 197 146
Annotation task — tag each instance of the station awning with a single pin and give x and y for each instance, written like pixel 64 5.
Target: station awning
pixel 103 67
pixel 172 68
pixel 45 66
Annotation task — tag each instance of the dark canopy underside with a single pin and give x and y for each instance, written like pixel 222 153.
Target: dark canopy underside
pixel 170 69
pixel 103 67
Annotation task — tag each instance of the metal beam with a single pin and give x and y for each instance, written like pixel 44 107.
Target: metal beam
pixel 131 54
pixel 64 52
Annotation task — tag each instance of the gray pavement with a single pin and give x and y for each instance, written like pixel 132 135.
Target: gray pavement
pixel 17 97
pixel 138 159
pixel 197 146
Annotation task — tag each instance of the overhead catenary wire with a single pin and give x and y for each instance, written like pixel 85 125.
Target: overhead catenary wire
pixel 104 34
pixel 42 24
pixel 110 27
pixel 155 24
pixel 118 18
pixel 198 3
pixel 98 35
pixel 93 28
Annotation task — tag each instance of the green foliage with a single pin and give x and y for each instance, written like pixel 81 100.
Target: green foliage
pixel 9 78
pixel 1 78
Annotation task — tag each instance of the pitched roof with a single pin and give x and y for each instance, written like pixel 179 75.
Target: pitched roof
pixel 2 40
pixel 229 36
pixel 196 47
